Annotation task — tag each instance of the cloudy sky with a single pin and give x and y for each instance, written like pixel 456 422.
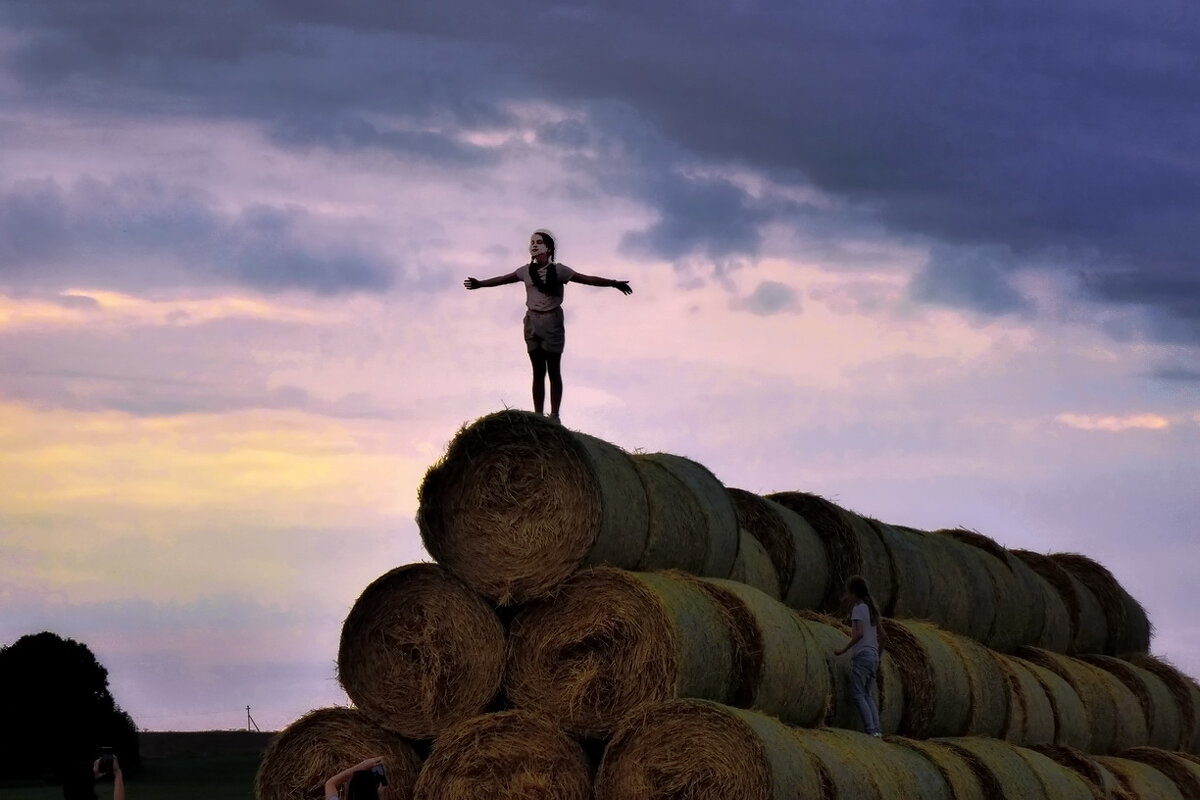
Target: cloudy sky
pixel 933 260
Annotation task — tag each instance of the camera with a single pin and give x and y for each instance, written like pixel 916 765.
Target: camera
pixel 105 767
pixel 377 770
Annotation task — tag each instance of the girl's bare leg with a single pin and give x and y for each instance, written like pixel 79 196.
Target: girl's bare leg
pixel 537 358
pixel 554 367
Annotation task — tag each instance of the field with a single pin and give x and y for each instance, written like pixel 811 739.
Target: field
pixel 174 778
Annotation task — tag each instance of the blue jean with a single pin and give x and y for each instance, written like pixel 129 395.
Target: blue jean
pixel 863 667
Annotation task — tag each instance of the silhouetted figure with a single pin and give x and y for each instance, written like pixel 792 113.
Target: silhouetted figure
pixel 364 781
pixel 545 334
pixel 865 646
pixel 80 783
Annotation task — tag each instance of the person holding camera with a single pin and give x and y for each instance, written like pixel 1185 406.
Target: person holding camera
pixel 366 780
pixel 81 785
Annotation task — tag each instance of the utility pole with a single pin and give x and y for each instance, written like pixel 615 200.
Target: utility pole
pixel 250 720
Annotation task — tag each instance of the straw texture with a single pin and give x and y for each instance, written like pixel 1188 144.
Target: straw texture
pixel 677 535
pixel 515 755
pixel 420 651
pixel 1164 719
pixel 1127 629
pixel 937 688
pixel 1031 717
pixel 1142 781
pixel 1182 771
pixel 794 547
pixel 322 743
pixel 912 581
pixel 721 527
pixel 753 566
pixel 962 780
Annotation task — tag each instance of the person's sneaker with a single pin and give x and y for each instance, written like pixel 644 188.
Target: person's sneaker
pixel 877 735
pixel 554 418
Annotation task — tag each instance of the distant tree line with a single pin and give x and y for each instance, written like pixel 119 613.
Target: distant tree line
pixel 58 711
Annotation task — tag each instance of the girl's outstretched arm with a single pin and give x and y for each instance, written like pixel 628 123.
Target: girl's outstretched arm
pixel 591 280
pixel 335 783
pixel 499 280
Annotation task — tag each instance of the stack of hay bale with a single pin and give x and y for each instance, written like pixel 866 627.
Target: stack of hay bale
pixel 623 626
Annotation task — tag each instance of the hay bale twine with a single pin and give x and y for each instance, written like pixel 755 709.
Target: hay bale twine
pixel 1184 691
pixel 322 743
pixel 959 776
pixel 889 690
pixel 420 651
pixel 611 640
pixel 838 538
pixel 977 615
pixel 1140 780
pixel 894 771
pixel 1116 720
pixel 1104 784
pixel 508 754
pixel 1127 628
pixel 1164 718
pixel 1000 768
pixel 1061 604
pixel 518 503
pixel 912 583
pixel 989 689
pixel 937 689
pixel 1183 772
pixel 1011 611
pixel 677 528
pixel 753 566
pixel 721 527
pixel 729 753
pixel 780 668
pixel 794 547
pixel 1031 718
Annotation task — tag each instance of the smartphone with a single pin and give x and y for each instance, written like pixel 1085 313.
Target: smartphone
pixel 378 770
pixel 106 761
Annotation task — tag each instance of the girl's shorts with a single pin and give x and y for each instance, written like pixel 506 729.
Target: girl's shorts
pixel 545 330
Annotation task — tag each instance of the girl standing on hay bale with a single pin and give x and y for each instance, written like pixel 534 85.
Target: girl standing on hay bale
pixel 865 645
pixel 545 333
pixel 364 781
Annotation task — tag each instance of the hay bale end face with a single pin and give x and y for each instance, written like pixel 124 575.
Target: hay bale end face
pixel 611 640
pixel 518 503
pixel 420 651
pixel 729 753
pixel 794 547
pixel 508 754
pixel 322 743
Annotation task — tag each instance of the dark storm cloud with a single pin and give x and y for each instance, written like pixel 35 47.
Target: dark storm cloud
pixel 974 278
pixel 1062 129
pixel 51 236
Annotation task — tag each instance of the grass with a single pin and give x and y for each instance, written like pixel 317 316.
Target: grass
pixel 176 778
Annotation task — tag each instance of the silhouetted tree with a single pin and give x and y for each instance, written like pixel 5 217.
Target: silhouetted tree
pixel 57 709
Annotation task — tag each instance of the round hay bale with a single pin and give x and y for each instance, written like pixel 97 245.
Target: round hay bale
pixel 1142 781
pixel 889 691
pixel 838 538
pixel 729 753
pixel 1183 772
pixel 1011 610
pixel 677 527
pixel 721 527
pixel 611 640
pixel 1164 720
pixel 1127 628
pixel 912 583
pixel 1103 783
pixel 1060 782
pixel 753 566
pixel 1184 691
pixel 977 617
pixel 894 771
pixel 1072 726
pixel 780 667
pixel 877 565
pixel 322 743
pixel 1061 604
pixel 937 689
pixel 508 754
pixel 989 689
pixel 794 547
pixel 1030 712
pixel 420 651
pixel 518 503
pixel 1116 718
pixel 1001 769
pixel 959 776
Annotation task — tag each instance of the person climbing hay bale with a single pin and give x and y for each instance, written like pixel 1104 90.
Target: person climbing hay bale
pixel 611 640
pixel 420 651
pixel 518 504
pixel 300 758
pixel 507 754
pixel 794 547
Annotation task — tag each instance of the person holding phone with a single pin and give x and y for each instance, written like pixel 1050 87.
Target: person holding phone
pixel 80 784
pixel 366 780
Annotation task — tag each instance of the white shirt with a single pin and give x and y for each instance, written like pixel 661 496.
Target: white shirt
pixel 870 637
pixel 535 298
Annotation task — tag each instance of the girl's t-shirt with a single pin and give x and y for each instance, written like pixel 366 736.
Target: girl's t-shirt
pixel 870 637
pixel 535 298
